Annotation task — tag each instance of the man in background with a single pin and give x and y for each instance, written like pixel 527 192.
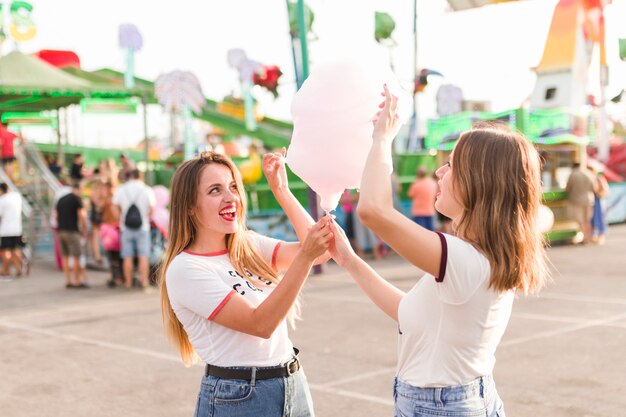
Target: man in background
pixel 71 219
pixel 135 200
pixel 10 231
pixel 8 151
pixel 423 192
pixel 580 188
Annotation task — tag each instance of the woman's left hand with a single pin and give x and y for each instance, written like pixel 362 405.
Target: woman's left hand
pixel 274 170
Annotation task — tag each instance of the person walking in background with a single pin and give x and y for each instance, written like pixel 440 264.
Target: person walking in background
pixel 110 234
pixel 451 322
pixel 135 202
pixel 7 139
pixel 71 219
pixel 53 165
pixel 598 218
pixel 96 203
pixel 10 230
pixel 128 166
pixel 221 294
pixel 423 193
pixel 580 190
pixel 77 169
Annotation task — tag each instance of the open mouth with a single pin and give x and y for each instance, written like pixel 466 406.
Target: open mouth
pixel 228 213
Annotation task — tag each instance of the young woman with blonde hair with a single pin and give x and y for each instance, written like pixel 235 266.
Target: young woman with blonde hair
pixel 222 297
pixel 451 322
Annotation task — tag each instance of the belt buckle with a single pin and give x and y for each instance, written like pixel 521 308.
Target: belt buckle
pixel 294 362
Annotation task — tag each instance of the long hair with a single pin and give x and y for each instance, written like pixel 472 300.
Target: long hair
pixel 497 179
pixel 182 232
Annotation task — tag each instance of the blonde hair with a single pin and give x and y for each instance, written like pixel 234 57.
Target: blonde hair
pixel 182 232
pixel 497 178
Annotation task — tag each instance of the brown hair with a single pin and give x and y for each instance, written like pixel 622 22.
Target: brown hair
pixel 497 178
pixel 182 232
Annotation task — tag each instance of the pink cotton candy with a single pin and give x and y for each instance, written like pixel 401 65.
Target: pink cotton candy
pixel 332 124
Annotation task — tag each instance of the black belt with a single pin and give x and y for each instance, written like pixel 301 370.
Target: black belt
pixel 283 371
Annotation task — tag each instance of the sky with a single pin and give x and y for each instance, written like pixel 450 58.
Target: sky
pixel 488 52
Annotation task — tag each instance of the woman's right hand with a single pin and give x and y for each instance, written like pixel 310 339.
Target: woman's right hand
pixel 317 239
pixel 340 248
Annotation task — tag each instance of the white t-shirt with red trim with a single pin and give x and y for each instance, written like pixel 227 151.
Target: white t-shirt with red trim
pixel 449 330
pixel 199 285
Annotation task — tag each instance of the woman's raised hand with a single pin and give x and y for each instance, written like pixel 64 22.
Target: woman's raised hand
pixel 318 239
pixel 274 169
pixel 387 121
pixel 340 248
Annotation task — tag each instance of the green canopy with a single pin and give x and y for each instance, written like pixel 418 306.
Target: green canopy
pixel 106 79
pixel 29 84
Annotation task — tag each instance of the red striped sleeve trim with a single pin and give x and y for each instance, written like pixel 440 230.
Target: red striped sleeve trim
pixel 444 258
pixel 222 304
pixel 275 254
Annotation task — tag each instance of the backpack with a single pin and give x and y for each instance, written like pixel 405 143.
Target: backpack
pixel 133 220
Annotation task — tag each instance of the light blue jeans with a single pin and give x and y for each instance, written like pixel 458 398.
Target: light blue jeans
pixel 275 397
pixel 135 243
pixel 477 398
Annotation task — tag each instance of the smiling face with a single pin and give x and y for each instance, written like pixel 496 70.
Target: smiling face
pixel 447 201
pixel 218 202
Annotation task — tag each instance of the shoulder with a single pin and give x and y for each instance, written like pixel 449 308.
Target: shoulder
pixel 260 241
pixel 184 264
pixel 462 247
pixel 461 257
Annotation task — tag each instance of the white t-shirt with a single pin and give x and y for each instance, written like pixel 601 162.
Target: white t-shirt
pixel 141 195
pixel 11 214
pixel 449 330
pixel 199 285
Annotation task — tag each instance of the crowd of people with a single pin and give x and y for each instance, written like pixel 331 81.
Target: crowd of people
pixel 115 218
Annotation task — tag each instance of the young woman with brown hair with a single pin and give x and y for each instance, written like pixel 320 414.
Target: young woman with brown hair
pixel 451 322
pixel 222 297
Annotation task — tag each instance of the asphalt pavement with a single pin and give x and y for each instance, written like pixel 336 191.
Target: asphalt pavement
pixel 102 352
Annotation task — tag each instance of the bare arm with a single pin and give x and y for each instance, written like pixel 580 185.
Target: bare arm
pixel 241 315
pixel 386 296
pixel 82 220
pixel 301 220
pixel 417 245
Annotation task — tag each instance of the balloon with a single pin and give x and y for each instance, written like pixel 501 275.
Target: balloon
pixel 161 218
pixel 546 218
pixel 332 124
pixel 161 195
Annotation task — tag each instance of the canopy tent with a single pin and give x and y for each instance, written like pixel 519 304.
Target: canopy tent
pixel 111 80
pixel 29 84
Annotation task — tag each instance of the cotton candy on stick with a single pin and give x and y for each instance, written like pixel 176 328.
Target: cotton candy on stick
pixel 332 124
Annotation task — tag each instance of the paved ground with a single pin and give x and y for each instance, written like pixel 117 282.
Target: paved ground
pixel 102 352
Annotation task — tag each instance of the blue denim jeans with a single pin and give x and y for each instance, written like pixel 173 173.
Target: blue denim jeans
pixel 477 398
pixel 135 243
pixel 427 222
pixel 275 397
